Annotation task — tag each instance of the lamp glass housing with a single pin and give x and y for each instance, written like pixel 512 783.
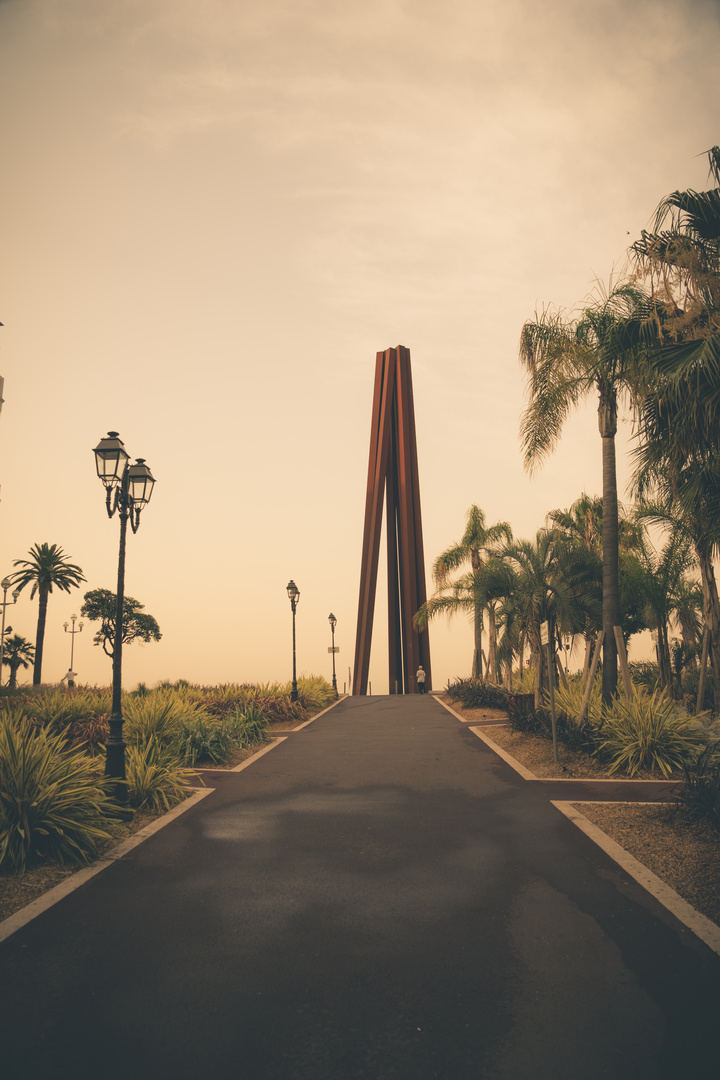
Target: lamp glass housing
pixel 140 483
pixel 293 592
pixel 111 458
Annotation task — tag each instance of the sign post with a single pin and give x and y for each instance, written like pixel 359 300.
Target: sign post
pixel 545 640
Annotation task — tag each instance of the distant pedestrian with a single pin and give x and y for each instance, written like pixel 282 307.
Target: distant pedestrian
pixel 421 679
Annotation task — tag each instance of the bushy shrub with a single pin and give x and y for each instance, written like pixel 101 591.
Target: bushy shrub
pixel 58 709
pixel 475 694
pixel 158 716
pixel 155 778
pixel 54 803
pixel 701 793
pixel 88 735
pixel 314 692
pixel 648 732
pixel 201 739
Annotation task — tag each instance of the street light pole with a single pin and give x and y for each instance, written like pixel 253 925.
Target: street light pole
pixel 128 489
pixel 294 594
pixel 333 623
pixel 5 585
pixel 73 632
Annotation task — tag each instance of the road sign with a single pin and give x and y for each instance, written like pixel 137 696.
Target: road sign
pixel 544 633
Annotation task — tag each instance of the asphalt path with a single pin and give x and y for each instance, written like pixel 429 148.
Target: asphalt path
pixel 379 897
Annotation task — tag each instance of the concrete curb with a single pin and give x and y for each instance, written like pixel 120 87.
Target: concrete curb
pixel 699 924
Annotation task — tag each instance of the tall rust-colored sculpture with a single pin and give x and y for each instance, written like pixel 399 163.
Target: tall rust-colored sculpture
pixel 393 474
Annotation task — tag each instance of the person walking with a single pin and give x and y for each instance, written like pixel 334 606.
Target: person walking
pixel 421 679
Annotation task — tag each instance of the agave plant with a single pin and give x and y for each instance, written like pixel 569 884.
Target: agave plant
pixel 648 732
pixel 53 802
pixel 155 779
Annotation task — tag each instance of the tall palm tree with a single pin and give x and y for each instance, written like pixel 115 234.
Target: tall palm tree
pixel 478 541
pixel 18 653
pixel 678 454
pixel 566 360
pixel 47 567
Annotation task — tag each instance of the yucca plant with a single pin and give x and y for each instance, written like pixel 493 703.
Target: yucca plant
pixel 155 778
pixel 314 691
pixel 202 739
pixel 53 802
pixel 57 709
pixel 649 733
pixel 158 715
pixel 476 694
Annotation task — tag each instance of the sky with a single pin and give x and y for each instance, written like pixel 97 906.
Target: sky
pixel 215 215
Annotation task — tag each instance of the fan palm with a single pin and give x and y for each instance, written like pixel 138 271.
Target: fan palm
pixel 478 541
pixel 17 653
pixel 568 359
pixel 47 567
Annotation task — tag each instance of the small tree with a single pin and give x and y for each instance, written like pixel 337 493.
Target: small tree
pixel 100 605
pixel 17 653
pixel 47 567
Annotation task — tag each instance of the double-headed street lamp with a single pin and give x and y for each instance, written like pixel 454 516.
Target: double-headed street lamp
pixel 128 490
pixel 294 594
pixel 5 585
pixel 71 674
pixel 333 623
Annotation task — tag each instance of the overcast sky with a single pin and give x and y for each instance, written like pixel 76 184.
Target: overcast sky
pixel 216 213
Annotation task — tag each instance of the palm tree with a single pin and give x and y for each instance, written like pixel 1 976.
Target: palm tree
pixel 551 582
pixel 567 359
pixel 678 456
pixel 17 653
pixel 464 594
pixel 663 585
pixel 47 566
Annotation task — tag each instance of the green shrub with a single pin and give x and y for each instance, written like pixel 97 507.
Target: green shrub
pixel 701 793
pixel 158 716
pixel 251 725
pixel 57 709
pixel 649 733
pixel 155 778
pixel 476 694
pixel 314 692
pixel 89 735
pixel 53 802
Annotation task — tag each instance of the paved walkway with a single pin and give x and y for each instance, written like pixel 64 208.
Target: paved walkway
pixel 379 897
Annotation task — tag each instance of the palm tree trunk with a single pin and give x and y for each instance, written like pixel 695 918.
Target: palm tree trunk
pixel 477 672
pixel 607 423
pixel 711 614
pixel 664 657
pixel 43 592
pixel 492 646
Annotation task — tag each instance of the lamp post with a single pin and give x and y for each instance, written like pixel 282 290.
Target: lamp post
pixel 294 594
pixel 5 585
pixel 333 623
pixel 128 489
pixel 71 674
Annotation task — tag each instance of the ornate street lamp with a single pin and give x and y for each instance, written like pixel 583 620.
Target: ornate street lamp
pixel 333 623
pixel 128 489
pixel 294 594
pixel 5 585
pixel 71 674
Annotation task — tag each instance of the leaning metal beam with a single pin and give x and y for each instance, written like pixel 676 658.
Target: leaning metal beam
pixel 393 478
